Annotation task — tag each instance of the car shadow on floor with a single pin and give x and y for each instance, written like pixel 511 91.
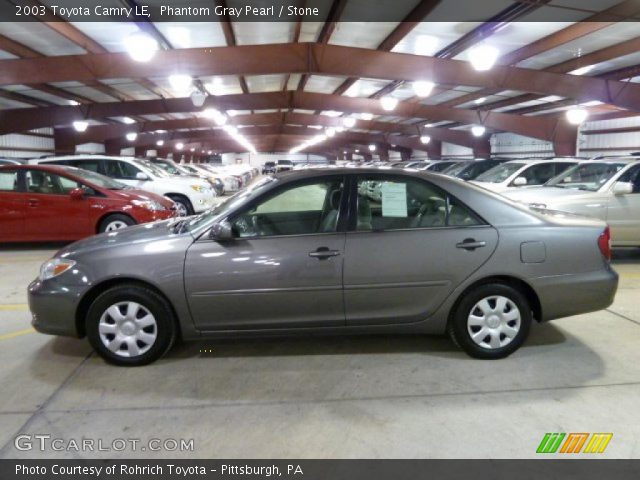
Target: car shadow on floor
pixel 435 345
pixel 35 246
pixel 625 256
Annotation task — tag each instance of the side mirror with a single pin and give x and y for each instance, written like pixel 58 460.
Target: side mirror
pixel 221 232
pixel 622 188
pixel 76 194
pixel 520 181
pixel 142 176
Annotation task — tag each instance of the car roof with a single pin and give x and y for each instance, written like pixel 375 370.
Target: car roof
pixel 614 160
pixel 86 157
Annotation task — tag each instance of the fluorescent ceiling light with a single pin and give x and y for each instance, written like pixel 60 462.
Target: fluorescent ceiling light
pixel 128 120
pixel 160 143
pixel 389 103
pixel 423 88
pixel 372 148
pixel 479 101
pixel 216 87
pixel 131 136
pixel 331 132
pixel 209 152
pixel 478 130
pixel 80 126
pixel 366 116
pixel 74 103
pixel 215 115
pixel 577 115
pixel 425 139
pixel 483 57
pixel 349 122
pixel 192 149
pixel 582 70
pixel 180 82
pixel 140 46
pixel 426 45
pixel 179 146
pixel 332 113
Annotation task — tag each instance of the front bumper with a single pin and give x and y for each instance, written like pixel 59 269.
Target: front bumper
pixel 202 201
pixel 53 307
pixel 568 295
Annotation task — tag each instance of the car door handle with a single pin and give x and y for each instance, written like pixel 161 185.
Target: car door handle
pixel 324 253
pixel 470 244
pixel 33 203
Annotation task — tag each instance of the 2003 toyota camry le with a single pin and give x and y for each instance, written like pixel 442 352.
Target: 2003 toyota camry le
pixel 310 251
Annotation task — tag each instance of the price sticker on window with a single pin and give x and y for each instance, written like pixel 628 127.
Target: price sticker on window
pixel 394 199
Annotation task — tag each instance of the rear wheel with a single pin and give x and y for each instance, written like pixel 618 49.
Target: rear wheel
pixel 183 205
pixel 115 222
pixel 130 325
pixel 492 321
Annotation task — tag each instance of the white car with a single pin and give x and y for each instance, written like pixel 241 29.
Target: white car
pixel 191 195
pixel 607 189
pixel 232 182
pixel 521 173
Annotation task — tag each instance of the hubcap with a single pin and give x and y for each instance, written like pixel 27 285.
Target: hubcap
pixel 494 322
pixel 115 225
pixel 128 329
pixel 182 209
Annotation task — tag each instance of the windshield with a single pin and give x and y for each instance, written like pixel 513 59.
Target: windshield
pixel 157 171
pixel 167 167
pixel 454 170
pixel 499 173
pixel 96 179
pixel 587 176
pixel 196 222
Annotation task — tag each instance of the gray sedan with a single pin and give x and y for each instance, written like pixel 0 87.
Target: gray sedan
pixel 310 252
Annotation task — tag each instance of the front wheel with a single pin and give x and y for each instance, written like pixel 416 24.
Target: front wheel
pixel 130 325
pixel 183 205
pixel 492 321
pixel 115 222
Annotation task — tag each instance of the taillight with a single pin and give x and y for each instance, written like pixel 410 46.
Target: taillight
pixel 604 243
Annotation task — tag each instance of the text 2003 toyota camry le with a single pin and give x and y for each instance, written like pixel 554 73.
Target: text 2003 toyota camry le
pixel 312 251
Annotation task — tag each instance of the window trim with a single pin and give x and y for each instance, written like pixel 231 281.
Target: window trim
pixel 342 211
pixel 353 204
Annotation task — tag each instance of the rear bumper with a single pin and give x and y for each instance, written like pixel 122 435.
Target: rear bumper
pixel 574 294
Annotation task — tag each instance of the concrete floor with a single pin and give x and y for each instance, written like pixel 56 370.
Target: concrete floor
pixel 326 397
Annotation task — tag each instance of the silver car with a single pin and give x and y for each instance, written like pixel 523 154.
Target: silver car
pixel 608 189
pixel 310 252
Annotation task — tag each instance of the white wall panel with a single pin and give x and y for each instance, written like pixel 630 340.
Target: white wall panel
pixel 451 150
pixel 512 145
pixel 25 146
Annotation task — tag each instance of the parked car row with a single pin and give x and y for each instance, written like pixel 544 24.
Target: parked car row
pixel 96 194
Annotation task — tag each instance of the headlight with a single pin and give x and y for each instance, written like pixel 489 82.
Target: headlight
pixel 55 267
pixel 200 188
pixel 149 205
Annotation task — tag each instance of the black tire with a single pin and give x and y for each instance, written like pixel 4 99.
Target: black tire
pixel 165 324
pixel 184 202
pixel 458 328
pixel 116 217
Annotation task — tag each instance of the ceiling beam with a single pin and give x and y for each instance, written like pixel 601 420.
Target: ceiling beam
pixel 417 15
pixel 317 59
pixel 592 24
pixel 16 120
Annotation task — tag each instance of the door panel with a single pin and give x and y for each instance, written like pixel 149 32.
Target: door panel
pixel 47 201
pixel 268 282
pixel 409 251
pixel 623 212
pixel 403 276
pixel 12 207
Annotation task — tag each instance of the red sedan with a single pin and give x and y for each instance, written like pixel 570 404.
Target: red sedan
pixel 53 203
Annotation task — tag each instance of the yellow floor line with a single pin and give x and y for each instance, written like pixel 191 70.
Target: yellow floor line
pixel 12 307
pixel 19 333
